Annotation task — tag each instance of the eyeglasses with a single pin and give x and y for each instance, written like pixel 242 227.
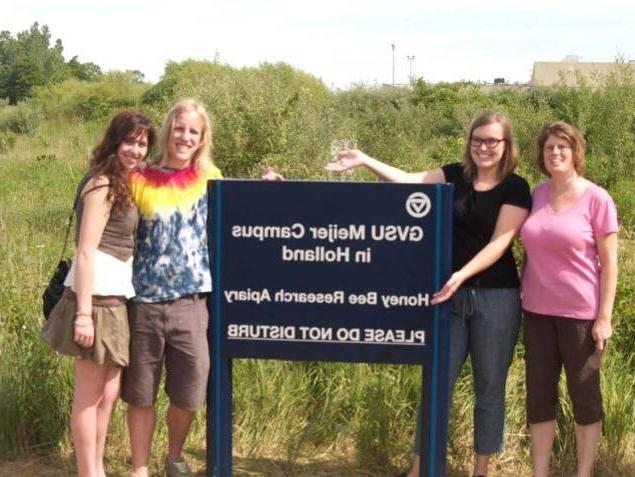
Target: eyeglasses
pixel 490 142
pixel 553 147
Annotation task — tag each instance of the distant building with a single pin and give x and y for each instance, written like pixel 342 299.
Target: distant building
pixel 549 73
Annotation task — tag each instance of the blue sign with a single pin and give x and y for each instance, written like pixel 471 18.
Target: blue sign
pixel 329 271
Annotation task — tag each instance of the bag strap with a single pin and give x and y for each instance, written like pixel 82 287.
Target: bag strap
pixel 70 217
pixel 68 231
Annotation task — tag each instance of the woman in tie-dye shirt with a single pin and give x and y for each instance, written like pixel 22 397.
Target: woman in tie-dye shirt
pixel 168 317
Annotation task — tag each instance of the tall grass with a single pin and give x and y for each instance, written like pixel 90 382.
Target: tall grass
pixel 301 417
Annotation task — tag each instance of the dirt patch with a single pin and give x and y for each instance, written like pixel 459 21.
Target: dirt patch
pixel 51 466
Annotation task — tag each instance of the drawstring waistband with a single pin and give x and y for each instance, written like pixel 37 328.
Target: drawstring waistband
pixel 468 303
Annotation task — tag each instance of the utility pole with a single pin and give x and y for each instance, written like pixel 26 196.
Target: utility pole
pixel 392 45
pixel 410 59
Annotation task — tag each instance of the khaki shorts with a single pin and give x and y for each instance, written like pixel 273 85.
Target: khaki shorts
pixel 175 332
pixel 110 318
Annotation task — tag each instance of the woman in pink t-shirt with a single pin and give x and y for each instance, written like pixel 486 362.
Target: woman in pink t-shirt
pixel 568 290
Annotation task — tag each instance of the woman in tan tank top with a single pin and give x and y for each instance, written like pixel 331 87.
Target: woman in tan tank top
pixel 91 321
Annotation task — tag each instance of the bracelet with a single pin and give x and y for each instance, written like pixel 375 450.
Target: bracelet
pixel 80 313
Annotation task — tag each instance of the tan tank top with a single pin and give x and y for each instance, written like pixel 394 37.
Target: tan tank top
pixel 119 234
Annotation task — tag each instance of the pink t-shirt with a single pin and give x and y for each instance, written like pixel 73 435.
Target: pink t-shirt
pixel 562 272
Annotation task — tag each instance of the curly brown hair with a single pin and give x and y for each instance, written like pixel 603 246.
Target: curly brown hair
pixel 104 162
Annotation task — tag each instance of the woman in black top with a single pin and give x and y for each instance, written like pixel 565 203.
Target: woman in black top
pixel 490 205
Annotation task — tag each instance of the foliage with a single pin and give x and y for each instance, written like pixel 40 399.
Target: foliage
pixel 7 140
pixel 83 71
pixel 29 60
pixel 75 100
pixel 258 114
pixel 21 119
pixel 277 115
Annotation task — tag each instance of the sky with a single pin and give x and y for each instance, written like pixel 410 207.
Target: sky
pixel 343 42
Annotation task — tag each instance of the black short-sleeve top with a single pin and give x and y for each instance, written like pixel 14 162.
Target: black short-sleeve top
pixel 474 215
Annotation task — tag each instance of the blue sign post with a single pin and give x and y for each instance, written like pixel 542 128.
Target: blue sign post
pixel 329 271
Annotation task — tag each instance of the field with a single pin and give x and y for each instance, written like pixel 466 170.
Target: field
pixel 292 419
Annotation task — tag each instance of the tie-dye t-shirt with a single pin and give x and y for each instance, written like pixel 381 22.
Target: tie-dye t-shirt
pixel 172 258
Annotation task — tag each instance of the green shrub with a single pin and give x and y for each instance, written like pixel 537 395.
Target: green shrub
pixel 257 113
pixel 623 193
pixel 75 100
pixel 7 141
pixel 21 119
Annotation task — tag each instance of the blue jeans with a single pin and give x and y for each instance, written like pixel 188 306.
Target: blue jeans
pixel 485 324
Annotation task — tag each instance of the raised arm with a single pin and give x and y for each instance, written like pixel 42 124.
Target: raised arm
pixel 94 218
pixel 354 158
pixel 510 219
pixel 607 254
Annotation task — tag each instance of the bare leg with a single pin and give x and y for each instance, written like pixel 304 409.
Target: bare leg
pixel 141 427
pixel 179 421
pixel 542 437
pixel 88 393
pixel 112 384
pixel 587 439
pixel 414 470
pixel 480 464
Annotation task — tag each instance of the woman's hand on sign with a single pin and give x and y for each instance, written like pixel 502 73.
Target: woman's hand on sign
pixel 450 287
pixel 268 174
pixel 347 159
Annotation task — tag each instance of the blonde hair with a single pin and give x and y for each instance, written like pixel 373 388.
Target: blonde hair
pixel 202 157
pixel 508 162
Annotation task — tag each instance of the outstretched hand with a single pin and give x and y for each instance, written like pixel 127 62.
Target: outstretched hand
pixel 347 159
pixel 268 174
pixel 450 287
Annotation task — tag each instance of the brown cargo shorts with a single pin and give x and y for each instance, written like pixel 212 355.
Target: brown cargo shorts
pixel 553 342
pixel 174 332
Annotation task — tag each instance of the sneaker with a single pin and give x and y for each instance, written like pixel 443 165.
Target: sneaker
pixel 177 468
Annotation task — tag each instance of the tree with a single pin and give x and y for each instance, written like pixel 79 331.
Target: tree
pixel 29 60
pixel 135 76
pixel 83 71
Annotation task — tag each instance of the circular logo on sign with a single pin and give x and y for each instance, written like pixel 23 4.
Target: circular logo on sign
pixel 418 205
